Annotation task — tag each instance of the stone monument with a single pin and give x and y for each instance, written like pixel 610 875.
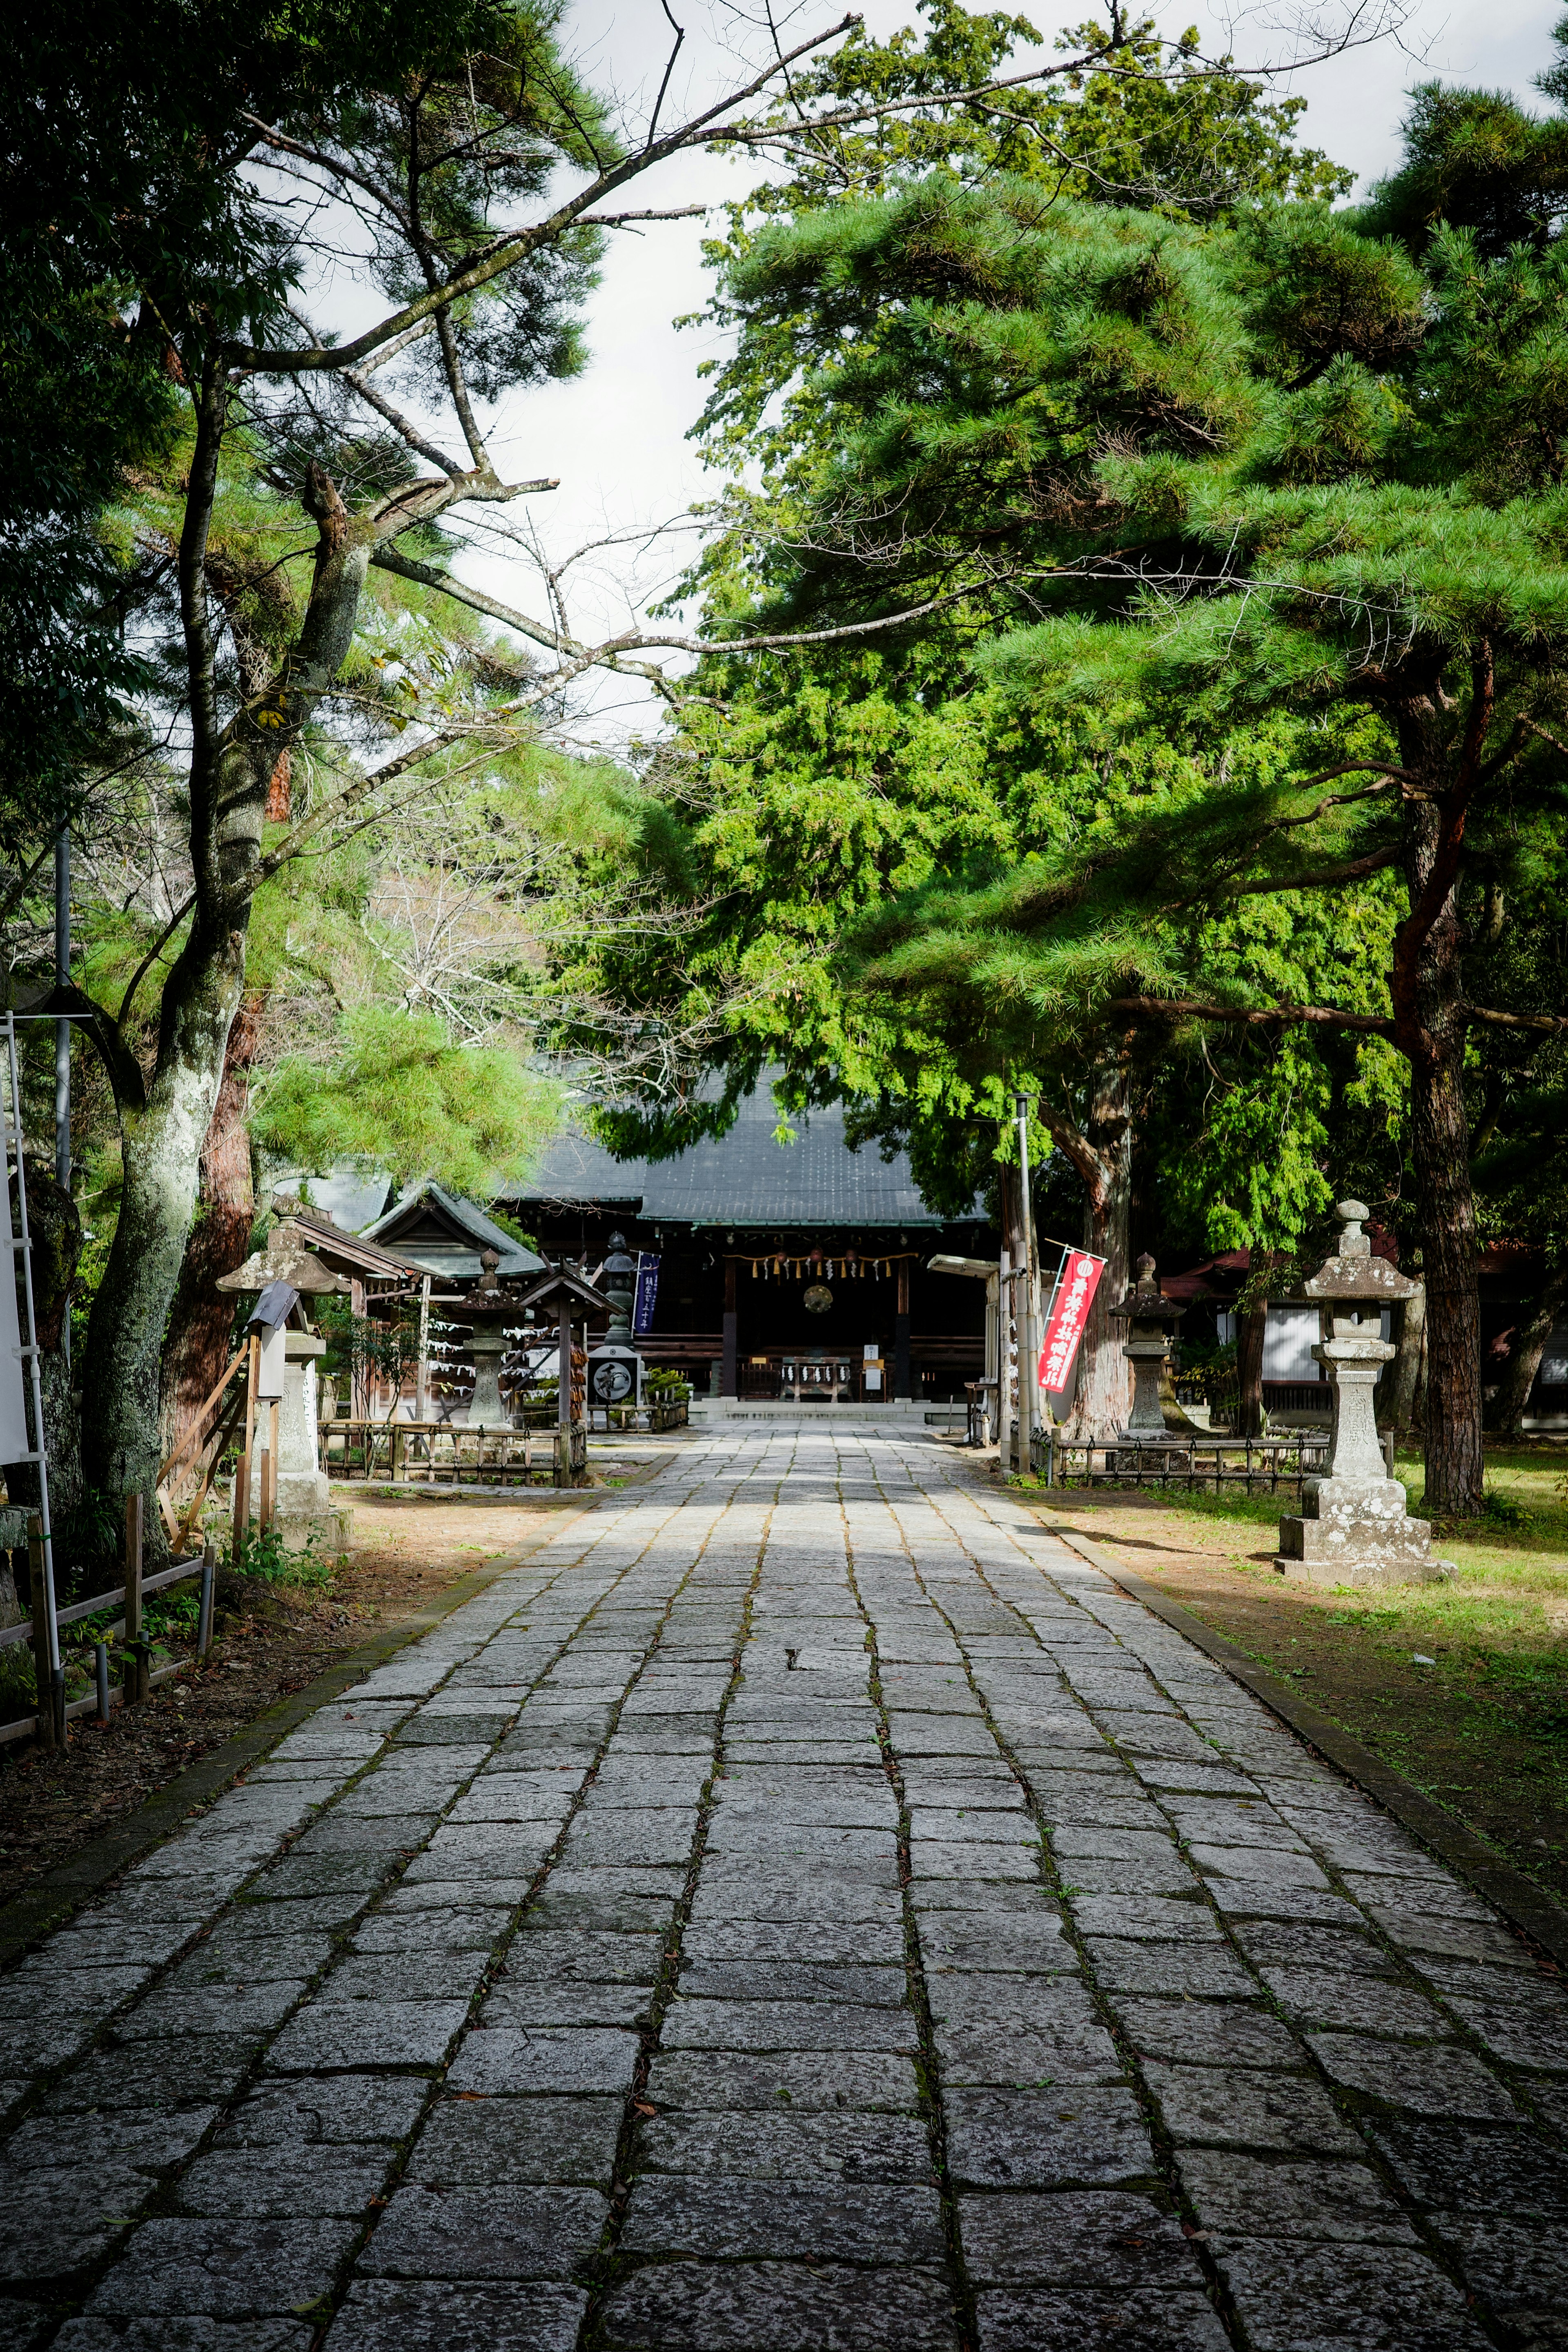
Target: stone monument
pixel 305 1504
pixel 1353 1527
pixel 1150 1319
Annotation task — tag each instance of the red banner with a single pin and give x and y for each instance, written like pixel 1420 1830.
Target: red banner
pixel 1075 1286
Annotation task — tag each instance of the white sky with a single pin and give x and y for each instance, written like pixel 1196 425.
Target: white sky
pixel 616 437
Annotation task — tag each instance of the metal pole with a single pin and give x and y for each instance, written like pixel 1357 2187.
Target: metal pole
pixel 1003 1316
pixel 100 1660
pixel 1027 1366
pixel 205 1621
pixel 63 1038
pixel 30 1350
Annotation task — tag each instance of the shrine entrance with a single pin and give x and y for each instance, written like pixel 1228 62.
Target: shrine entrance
pixel 795 1269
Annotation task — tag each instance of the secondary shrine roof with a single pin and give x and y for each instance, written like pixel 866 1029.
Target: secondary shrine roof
pixel 445 1234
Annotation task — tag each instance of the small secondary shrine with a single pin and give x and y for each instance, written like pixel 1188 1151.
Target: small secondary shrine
pixel 770 1269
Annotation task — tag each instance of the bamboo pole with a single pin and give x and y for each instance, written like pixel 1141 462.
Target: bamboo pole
pixel 242 1477
pixel 192 1430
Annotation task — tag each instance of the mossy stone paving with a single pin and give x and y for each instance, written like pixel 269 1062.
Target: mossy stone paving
pixel 801 1908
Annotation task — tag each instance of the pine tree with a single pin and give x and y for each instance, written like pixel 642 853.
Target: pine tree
pixel 1291 468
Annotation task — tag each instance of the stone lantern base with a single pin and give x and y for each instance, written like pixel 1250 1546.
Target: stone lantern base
pixel 1355 1531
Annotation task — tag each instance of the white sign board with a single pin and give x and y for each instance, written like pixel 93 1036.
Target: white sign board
pixel 14 1441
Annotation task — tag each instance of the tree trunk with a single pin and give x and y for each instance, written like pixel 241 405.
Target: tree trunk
pixel 163 1127
pixel 1529 1347
pixel 1432 1027
pixel 160 1144
pixel 1251 1327
pixel 1440 1157
pixel 202 1317
pixel 1104 1396
pixel 1408 1397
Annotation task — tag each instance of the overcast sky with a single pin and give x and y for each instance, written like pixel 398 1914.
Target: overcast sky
pixel 616 437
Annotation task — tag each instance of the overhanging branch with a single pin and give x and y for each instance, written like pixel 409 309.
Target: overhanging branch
pixel 1249 1016
pixel 1325 878
pixel 1542 1024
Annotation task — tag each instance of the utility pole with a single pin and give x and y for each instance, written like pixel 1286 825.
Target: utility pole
pixel 63 1035
pixel 1026 1299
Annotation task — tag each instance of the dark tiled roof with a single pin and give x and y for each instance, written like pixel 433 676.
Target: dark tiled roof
pixel 575 1168
pixel 745 1178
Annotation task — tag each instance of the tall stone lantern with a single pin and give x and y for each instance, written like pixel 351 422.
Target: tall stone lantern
pixel 1353 1527
pixel 1150 1320
pixel 487 1309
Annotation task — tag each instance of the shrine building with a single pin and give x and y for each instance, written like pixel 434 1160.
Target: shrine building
pixel 770 1269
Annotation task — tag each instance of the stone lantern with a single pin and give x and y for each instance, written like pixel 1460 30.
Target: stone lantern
pixel 1151 1320
pixel 1353 1528
pixel 305 1504
pixel 487 1310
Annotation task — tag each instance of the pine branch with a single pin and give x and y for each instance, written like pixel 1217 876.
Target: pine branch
pixel 1175 1008
pixel 1545 1025
pixel 1327 878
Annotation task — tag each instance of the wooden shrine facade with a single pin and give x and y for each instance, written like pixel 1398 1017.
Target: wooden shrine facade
pixel 784 1270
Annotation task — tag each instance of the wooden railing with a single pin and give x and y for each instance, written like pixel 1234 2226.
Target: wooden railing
pixel 48 1725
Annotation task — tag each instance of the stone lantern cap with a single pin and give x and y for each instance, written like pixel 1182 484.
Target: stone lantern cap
pixel 288 1257
pixel 619 1260
pixel 1145 1302
pixel 487 1302
pixel 1349 1273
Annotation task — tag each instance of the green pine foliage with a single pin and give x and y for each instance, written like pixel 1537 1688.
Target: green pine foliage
pixel 400 1097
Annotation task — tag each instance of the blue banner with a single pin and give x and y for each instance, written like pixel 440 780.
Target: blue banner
pixel 648 1292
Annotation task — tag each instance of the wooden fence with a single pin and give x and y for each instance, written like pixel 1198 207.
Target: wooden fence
pixel 136 1650
pixel 450 1453
pixel 1254 1465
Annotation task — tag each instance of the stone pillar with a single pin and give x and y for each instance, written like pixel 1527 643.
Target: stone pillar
pixel 729 1361
pixel 305 1504
pixel 486 1409
pixel 1147 1357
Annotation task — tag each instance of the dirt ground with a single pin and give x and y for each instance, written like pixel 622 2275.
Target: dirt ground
pixel 269 1640
pixel 1480 1727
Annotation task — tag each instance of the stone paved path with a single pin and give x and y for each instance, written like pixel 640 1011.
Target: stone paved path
pixel 666 1953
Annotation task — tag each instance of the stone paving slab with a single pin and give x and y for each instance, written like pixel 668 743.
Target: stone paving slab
pixel 799 1907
